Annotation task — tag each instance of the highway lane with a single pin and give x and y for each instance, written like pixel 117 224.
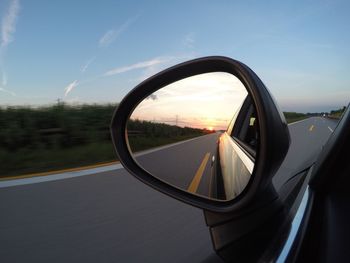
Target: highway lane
pixel 179 164
pixel 107 217
pixel 111 217
pixel 307 140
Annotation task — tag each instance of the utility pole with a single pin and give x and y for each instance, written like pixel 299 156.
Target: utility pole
pixel 59 102
pixel 177 118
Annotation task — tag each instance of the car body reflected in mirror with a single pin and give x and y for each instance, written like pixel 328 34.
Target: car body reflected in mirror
pixel 197 134
pixel 236 154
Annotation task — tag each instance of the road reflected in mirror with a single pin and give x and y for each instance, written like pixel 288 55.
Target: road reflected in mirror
pixel 198 134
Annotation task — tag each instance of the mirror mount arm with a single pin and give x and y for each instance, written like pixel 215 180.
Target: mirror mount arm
pixel 240 236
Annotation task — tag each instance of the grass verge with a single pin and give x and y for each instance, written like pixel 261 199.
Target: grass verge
pixel 291 120
pixel 141 143
pixel 27 161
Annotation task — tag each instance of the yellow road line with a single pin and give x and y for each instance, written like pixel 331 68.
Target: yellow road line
pixel 311 127
pixel 198 176
pixel 5 178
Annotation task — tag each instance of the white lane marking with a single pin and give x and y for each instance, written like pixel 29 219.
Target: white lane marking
pixel 330 129
pixel 298 121
pixel 169 145
pixel 59 176
pixel 66 175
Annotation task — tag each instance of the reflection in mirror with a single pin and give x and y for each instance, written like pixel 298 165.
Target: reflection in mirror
pixel 199 134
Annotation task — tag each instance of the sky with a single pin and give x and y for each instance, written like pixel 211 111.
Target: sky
pixel 97 51
pixel 203 101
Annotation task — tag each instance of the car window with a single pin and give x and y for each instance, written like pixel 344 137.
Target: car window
pixel 248 130
pixel 244 127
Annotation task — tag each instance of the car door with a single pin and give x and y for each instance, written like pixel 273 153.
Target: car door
pixel 324 235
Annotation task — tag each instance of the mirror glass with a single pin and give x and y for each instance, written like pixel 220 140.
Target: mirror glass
pixel 199 134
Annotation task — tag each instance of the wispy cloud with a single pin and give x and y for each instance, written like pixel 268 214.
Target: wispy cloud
pixel 113 34
pixel 8 28
pixel 7 91
pixel 8 25
pixel 166 62
pixel 107 38
pixel 4 79
pixel 189 40
pixel 150 67
pixel 87 64
pixel 70 87
pixel 139 65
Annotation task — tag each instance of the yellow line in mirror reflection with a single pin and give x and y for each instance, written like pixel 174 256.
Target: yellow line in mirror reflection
pixel 198 176
pixel 311 127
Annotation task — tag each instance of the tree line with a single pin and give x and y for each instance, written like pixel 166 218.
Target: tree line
pixel 51 127
pixel 37 139
pixel 64 136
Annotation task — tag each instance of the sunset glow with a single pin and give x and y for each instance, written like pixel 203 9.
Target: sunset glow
pixel 206 101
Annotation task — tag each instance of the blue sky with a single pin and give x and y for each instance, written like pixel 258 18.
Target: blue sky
pixel 96 51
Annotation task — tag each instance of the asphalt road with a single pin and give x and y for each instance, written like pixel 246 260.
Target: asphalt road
pixel 179 164
pixel 111 217
pixel 307 140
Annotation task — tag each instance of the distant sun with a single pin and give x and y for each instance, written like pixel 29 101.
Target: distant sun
pixel 210 128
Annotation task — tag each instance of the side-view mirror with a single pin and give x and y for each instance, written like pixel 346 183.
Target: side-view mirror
pixel 206 132
pixel 203 133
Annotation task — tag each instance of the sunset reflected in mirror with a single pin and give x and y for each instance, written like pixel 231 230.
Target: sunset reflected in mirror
pixel 204 101
pixel 174 135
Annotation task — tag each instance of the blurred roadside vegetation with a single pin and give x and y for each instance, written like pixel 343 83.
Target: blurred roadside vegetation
pixel 336 114
pixel 145 135
pixel 54 137
pixel 61 136
pixel 296 116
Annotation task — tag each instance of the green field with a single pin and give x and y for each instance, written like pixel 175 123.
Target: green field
pixel 26 160
pixel 42 139
pixel 336 114
pixel 151 135
pixel 294 116
pixel 55 137
pixel 34 140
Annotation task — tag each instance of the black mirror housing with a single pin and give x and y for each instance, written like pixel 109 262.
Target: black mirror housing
pixel 274 133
